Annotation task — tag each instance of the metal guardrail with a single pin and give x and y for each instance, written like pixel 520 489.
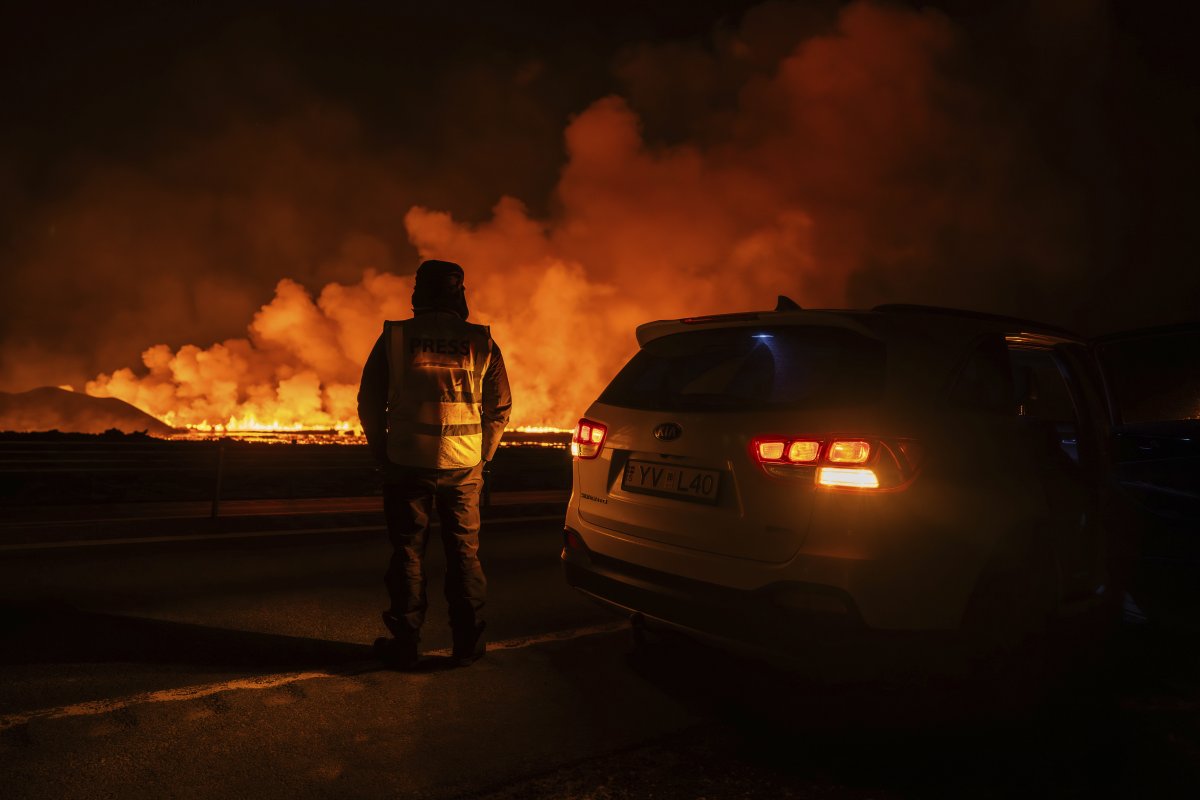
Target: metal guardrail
pixel 58 457
pixel 77 460
pixel 57 463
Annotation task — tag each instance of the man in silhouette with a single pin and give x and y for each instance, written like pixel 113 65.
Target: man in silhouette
pixel 434 401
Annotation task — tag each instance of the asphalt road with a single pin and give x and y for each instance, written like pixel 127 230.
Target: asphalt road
pixel 241 668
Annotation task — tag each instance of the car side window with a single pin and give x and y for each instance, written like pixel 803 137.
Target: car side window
pixel 984 383
pixel 1043 395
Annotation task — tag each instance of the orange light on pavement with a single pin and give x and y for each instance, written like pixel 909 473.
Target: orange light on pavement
pixel 854 478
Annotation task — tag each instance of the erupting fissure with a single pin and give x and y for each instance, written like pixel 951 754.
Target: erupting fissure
pixel 250 424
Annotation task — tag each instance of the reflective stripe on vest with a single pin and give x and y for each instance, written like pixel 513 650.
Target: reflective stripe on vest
pixel 436 364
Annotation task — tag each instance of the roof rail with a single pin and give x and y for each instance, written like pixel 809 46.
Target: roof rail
pixel 1029 324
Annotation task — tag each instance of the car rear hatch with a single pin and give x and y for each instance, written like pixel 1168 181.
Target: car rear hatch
pixel 677 466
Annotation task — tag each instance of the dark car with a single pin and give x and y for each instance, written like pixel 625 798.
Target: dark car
pixel 763 477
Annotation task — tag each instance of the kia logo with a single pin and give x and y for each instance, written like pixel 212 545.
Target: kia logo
pixel 667 432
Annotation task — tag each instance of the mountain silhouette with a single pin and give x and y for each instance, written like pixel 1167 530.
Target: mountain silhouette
pixel 50 408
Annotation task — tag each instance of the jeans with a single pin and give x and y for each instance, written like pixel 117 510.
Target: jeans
pixel 410 496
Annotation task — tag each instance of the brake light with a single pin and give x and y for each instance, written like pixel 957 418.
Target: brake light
pixel 849 452
pixel 770 451
pixel 778 450
pixel 588 439
pixel 842 462
pixel 803 452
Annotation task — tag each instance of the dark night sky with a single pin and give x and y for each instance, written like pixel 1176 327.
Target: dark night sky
pixel 163 165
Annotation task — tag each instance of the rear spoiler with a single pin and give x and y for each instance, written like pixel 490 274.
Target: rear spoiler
pixel 793 314
pixel 649 331
pixel 652 330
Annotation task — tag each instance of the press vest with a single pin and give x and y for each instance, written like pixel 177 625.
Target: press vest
pixel 436 364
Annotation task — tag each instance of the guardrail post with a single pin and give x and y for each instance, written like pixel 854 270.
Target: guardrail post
pixel 216 499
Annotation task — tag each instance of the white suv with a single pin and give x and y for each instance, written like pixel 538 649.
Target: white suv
pixel 759 478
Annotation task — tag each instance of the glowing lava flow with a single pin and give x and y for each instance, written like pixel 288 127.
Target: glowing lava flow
pixel 250 424
pixel 345 431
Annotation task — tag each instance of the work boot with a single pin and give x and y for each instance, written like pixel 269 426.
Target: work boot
pixel 468 645
pixel 399 652
pixel 396 653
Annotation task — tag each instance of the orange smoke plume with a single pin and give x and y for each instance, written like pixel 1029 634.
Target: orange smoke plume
pixel 856 162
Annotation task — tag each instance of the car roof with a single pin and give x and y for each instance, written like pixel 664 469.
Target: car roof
pixel 925 344
pixel 884 321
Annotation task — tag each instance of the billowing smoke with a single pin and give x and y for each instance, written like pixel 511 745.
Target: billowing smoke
pixel 298 368
pixel 856 165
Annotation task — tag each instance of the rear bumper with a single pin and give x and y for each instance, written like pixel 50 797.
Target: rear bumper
pixel 893 576
pixel 783 617
pixel 790 624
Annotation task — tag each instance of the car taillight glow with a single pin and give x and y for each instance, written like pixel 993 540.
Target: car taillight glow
pixel 842 462
pixel 588 440
pixel 778 450
pixel 770 451
pixel 803 452
pixel 849 452
pixel 849 477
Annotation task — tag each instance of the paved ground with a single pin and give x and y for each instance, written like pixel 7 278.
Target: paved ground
pixel 238 668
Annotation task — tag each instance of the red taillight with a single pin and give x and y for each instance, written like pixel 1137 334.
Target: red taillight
pixel 784 450
pixel 803 451
pixel 849 451
pixel 571 540
pixel 843 462
pixel 588 439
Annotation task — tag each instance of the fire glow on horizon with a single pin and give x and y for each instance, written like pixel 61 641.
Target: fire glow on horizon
pixel 538 436
pixel 252 425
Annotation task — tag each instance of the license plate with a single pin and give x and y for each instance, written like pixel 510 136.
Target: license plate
pixel 664 480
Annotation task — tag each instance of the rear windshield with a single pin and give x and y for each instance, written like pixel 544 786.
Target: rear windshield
pixel 1154 378
pixel 751 369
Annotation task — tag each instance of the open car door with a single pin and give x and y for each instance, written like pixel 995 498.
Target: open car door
pixel 1152 382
